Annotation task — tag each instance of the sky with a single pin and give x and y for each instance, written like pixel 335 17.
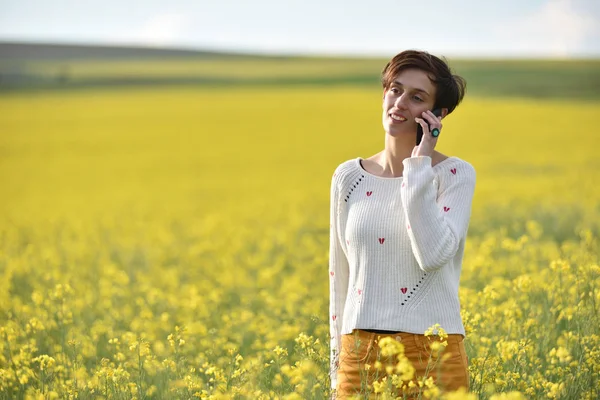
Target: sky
pixel 480 28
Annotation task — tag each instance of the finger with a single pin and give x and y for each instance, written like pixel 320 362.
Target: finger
pixel 429 112
pixel 434 121
pixel 428 137
pixel 423 124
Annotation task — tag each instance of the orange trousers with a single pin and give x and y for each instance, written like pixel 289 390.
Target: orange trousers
pixel 360 351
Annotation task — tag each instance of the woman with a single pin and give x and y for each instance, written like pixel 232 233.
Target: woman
pixel 399 221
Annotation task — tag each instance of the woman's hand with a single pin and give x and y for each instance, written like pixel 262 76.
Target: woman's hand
pixel 428 142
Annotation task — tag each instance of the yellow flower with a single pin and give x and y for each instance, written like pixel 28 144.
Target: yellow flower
pixel 555 390
pixel 390 347
pixel 460 394
pixel 508 396
pixel 280 351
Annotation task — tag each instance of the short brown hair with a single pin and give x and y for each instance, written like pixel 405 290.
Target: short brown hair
pixel 450 89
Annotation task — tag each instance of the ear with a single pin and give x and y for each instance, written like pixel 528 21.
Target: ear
pixel 444 112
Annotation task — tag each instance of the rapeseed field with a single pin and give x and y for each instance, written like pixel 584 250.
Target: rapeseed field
pixel 173 243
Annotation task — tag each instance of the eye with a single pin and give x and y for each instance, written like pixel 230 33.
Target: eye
pixel 394 90
pixel 418 98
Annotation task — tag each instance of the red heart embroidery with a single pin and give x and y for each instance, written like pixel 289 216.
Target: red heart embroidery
pixel 334 317
pixel 347 242
pixel 381 240
pixel 453 170
pixel 403 184
pixel 446 209
pixel 369 193
pixel 404 290
pixel 331 273
pixel 408 226
pixel 359 291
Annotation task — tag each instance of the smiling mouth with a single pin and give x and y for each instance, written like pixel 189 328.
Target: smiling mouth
pixel 397 118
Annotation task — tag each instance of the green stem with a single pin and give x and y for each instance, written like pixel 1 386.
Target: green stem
pixel 140 367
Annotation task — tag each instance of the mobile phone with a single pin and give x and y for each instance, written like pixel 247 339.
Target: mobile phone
pixel 438 113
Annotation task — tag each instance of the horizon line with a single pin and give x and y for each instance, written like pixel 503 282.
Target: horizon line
pixel 282 53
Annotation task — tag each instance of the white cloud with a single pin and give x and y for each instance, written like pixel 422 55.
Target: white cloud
pixel 161 30
pixel 555 29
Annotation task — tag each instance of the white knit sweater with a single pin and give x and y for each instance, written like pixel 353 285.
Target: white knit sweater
pixel 396 248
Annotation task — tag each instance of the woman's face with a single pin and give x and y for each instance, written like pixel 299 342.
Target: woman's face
pixel 408 95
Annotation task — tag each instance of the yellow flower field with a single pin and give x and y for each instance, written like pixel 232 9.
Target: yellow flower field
pixel 173 243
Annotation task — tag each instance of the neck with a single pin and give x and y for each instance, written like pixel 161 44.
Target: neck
pixel 396 150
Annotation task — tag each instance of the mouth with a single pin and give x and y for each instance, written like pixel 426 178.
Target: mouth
pixel 397 117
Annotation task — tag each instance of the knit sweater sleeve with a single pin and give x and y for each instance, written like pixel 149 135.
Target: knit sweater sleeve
pixel 338 279
pixel 436 222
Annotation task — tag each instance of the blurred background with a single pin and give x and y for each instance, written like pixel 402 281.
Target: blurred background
pixel 89 43
pixel 242 110
pixel 138 95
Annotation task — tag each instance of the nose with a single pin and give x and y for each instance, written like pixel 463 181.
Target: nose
pixel 400 102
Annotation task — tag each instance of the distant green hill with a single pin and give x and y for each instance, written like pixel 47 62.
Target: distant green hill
pixel 49 66
pixel 61 52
